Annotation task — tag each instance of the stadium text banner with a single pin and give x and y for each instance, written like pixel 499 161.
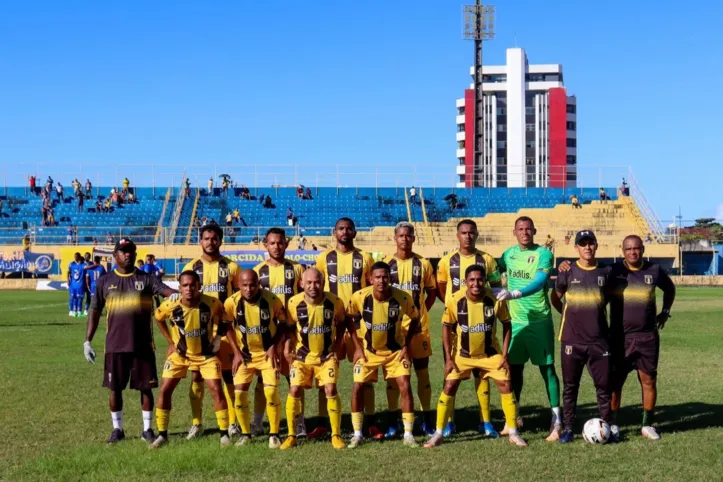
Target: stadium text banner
pixel 249 259
pixel 26 262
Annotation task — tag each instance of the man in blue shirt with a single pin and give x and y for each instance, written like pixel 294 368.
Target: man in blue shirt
pixel 151 267
pixel 92 273
pixel 86 295
pixel 76 285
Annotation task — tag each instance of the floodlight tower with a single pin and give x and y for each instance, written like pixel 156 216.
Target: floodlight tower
pixel 478 21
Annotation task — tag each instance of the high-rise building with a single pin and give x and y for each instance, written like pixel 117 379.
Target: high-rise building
pixel 529 123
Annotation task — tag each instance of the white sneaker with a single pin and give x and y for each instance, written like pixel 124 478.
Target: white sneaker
pixel 194 432
pixel 355 441
pixel 225 440
pixel 650 433
pixel 274 442
pixel 159 442
pixel 85 312
pixel 300 427
pixel 234 430
pixel 409 441
pixel 257 430
pixel 243 440
pixel 71 313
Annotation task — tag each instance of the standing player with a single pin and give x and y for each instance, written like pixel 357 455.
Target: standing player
pixel 282 277
pixel 388 320
pixel 258 317
pixel 194 318
pixel 76 285
pixel 528 267
pixel 86 292
pixel 450 279
pixel 127 294
pixel 316 321
pixel 346 271
pixel 584 329
pixel 219 279
pixel 470 342
pixel 92 274
pixel 634 325
pixel 151 267
pixel 413 274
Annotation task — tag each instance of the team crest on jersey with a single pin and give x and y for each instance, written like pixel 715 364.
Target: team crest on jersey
pixel 601 280
pixel 205 318
pixel 140 285
pixel 223 272
pixel 530 260
pixel 357 263
pixel 265 314
pixel 289 274
pixel 393 312
pixel 328 314
pixel 648 279
pixel 568 350
pixel 417 270
pixel 489 311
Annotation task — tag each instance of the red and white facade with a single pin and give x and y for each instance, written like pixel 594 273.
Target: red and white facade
pixel 530 127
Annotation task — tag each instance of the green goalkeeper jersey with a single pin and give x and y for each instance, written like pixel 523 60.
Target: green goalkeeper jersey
pixel 521 266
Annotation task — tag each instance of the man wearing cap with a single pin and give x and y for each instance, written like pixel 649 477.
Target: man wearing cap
pixel 127 294
pixel 584 329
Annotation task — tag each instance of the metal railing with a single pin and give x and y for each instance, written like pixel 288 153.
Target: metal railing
pixel 180 200
pixel 645 207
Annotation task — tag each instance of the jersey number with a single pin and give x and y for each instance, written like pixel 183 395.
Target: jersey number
pixel 357 369
pixel 331 373
pixel 405 364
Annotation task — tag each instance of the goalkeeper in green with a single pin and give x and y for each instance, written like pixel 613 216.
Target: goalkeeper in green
pixel 528 268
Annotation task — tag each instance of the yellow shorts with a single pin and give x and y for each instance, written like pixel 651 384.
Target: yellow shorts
pixel 366 372
pixel 421 346
pixel 177 366
pixel 225 356
pixel 246 373
pixel 302 374
pixel 487 366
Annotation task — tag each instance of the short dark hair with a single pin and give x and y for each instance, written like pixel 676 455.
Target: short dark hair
pixel 281 232
pixel 191 273
pixel 473 268
pixel 633 236
pixel 525 218
pixel 97 259
pixel 380 265
pixel 466 221
pixel 346 219
pixel 211 227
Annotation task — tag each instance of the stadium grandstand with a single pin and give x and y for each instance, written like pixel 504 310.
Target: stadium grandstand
pixel 165 220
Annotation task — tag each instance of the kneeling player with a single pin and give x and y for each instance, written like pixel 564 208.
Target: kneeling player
pixel 191 345
pixel 584 329
pixel 256 315
pixel 387 319
pixel 316 323
pixel 471 315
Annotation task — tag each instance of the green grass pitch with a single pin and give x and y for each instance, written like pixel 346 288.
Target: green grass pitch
pixel 54 417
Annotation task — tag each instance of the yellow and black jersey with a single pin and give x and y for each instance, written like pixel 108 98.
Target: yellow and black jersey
pixel 255 323
pixel 452 266
pixel 382 326
pixel 283 280
pixel 345 273
pixel 475 324
pixel 193 328
pixel 315 325
pixel 414 276
pixel 218 279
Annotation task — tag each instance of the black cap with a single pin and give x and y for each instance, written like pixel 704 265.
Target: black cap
pixel 124 244
pixel 587 234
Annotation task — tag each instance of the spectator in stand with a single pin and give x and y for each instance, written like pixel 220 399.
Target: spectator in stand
pixel 268 203
pixel 236 215
pixel 109 239
pixel 290 217
pixel 51 217
pixel 224 187
pixel 126 183
pixel 76 186
pixel 262 198
pixel 32 181
pixel 69 236
pixel 27 243
pixel 413 195
pixel 81 201
pixel 302 242
pixel 575 202
pixel 59 192
pixel 625 189
pixel 308 194
pixel 300 192
pixel 210 187
pixel 131 198
pixel 108 204
pixel 188 187
pixel 88 188
pixel 229 219
pixel 245 193
pixel 603 195
pixel 49 184
pixel 98 206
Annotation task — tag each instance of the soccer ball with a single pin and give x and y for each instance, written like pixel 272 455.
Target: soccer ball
pixel 596 431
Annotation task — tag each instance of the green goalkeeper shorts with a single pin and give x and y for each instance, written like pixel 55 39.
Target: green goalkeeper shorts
pixel 534 342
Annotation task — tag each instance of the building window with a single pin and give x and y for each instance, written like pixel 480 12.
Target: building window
pixel 494 78
pixel 460 145
pixel 571 160
pixel 530 110
pixel 530 144
pixel 572 176
pixel 501 127
pixel 571 108
pixel 530 161
pixel 501 144
pixel 530 127
pixel 460 127
pixel 460 111
pixel 571 126
pixel 501 111
pixel 572 143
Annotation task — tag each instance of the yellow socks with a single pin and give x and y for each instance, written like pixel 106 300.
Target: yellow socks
pixel 195 394
pixel 273 409
pixel 445 410
pixel 509 407
pixel 392 396
pixel 293 408
pixel 222 420
pixel 162 417
pixel 408 421
pixel 243 415
pixel 357 421
pixel 424 389
pixel 334 407
pixel 228 392
pixel 483 397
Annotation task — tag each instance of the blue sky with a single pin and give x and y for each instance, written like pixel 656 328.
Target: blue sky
pixel 367 89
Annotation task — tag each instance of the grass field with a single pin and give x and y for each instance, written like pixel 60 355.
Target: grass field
pixel 54 417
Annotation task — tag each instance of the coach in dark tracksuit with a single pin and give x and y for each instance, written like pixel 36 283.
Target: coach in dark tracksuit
pixel 584 329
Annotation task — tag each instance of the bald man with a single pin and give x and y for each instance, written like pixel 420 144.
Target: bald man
pixel 315 325
pixel 258 317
